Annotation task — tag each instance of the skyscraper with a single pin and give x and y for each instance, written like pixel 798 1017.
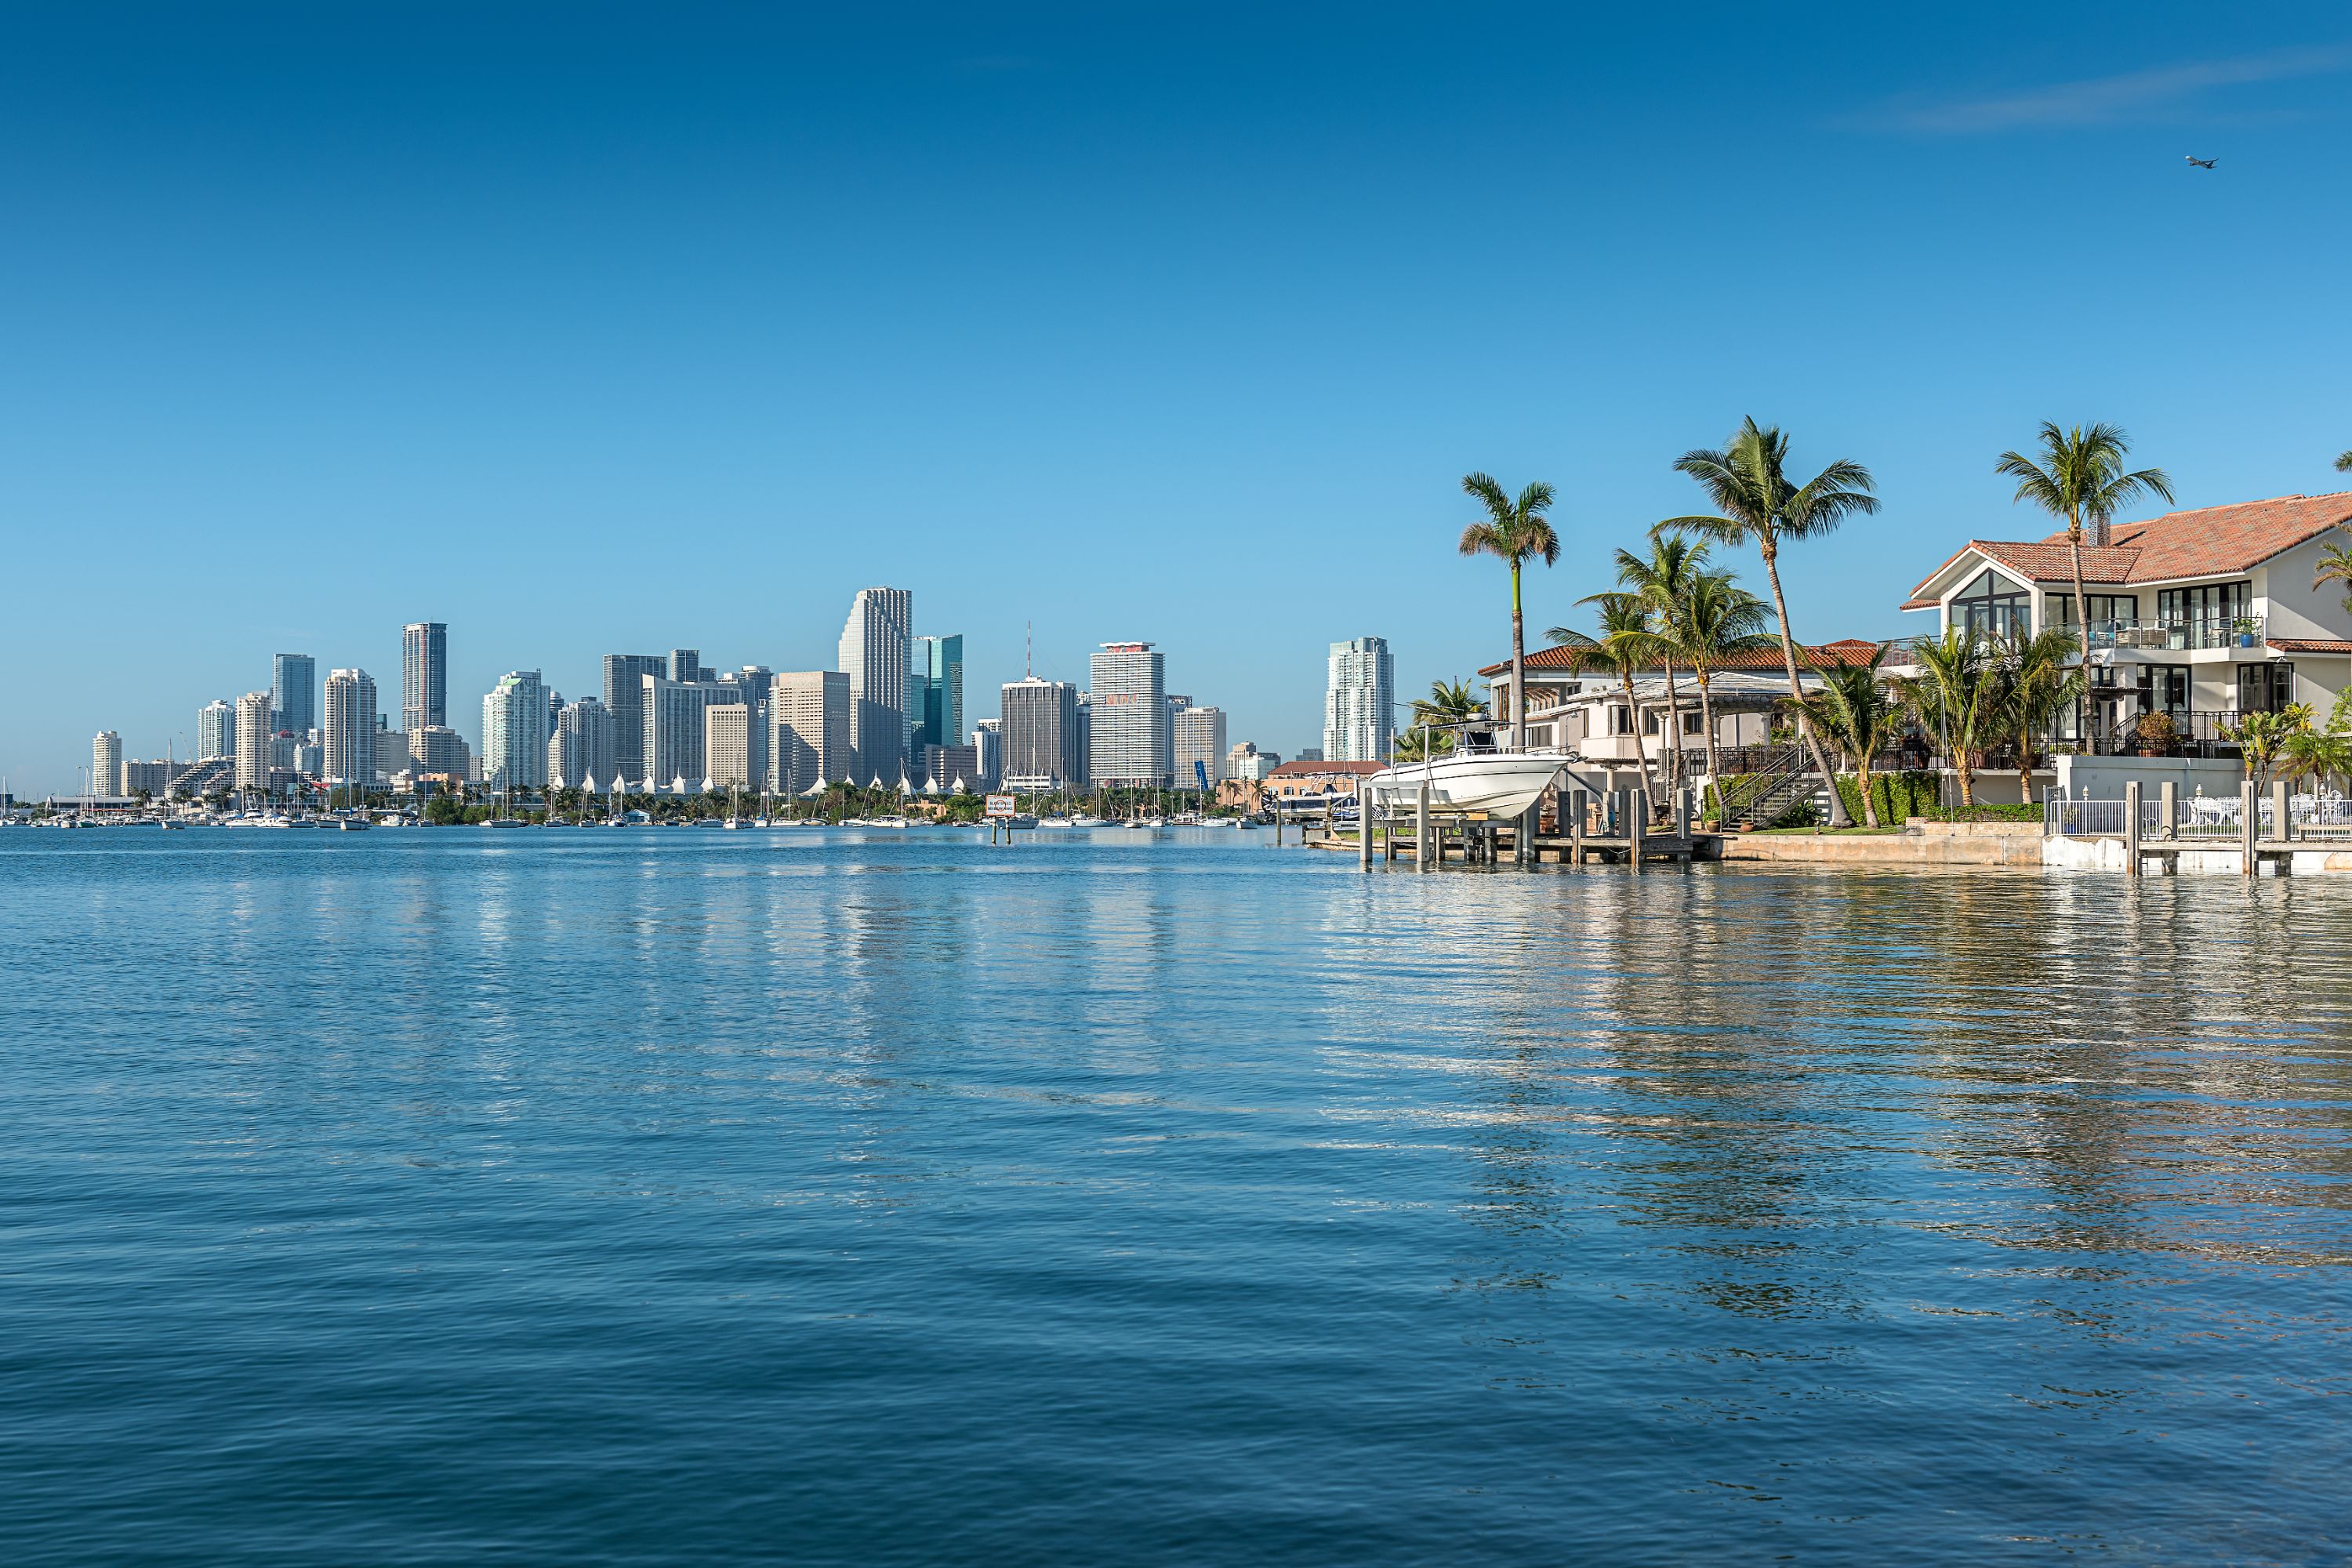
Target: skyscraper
pixel 1128 727
pixel 1039 735
pixel 1200 737
pixel 726 745
pixel 676 735
pixel 514 731
pixel 347 734
pixel 424 675
pixel 438 748
pixel 753 681
pixel 685 664
pixel 106 763
pixel 876 642
pixel 294 693
pixel 257 724
pixel 215 730
pixel 1359 717
pixel 808 729
pixel 584 746
pixel 988 744
pixel 624 698
pixel 936 701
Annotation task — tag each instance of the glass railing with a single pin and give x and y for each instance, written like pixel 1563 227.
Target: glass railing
pixel 2179 635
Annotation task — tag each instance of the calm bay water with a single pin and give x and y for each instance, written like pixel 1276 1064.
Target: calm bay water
pixel 458 1196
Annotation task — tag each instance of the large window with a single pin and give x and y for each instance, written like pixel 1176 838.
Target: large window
pixel 2212 605
pixel 2265 687
pixel 2106 609
pixel 1992 604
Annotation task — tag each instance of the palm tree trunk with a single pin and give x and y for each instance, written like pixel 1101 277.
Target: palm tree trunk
pixel 1706 718
pixel 2025 764
pixel 1837 817
pixel 1633 712
pixel 1965 760
pixel 1518 668
pixel 1670 732
pixel 1869 806
pixel 2082 626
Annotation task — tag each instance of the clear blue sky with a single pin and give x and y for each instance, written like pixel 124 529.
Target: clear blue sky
pixel 599 329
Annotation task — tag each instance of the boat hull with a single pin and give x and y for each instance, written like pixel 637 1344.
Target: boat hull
pixel 1499 783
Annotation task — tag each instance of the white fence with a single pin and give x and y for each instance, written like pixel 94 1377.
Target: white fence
pixel 2221 817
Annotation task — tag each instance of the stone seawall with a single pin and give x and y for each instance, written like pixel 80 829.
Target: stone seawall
pixel 1919 844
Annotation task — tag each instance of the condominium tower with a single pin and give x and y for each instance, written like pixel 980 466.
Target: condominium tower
pixel 1038 737
pixel 1199 737
pixel 1359 720
pixel 424 675
pixel 1128 727
pixel 726 745
pixel 348 734
pixel 583 747
pixel 294 693
pixel 808 717
pixel 676 748
pixel 937 701
pixel 624 698
pixel 106 763
pixel 876 642
pixel 255 724
pixel 514 731
pixel 215 730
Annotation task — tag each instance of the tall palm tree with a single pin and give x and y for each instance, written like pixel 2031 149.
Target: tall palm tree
pixel 1514 532
pixel 1958 691
pixel 1854 708
pixel 1717 622
pixel 2037 685
pixel 1755 499
pixel 1625 648
pixel 1662 580
pixel 2335 565
pixel 2081 479
pixel 2343 463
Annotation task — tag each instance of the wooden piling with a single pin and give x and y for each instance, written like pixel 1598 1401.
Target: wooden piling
pixel 2131 828
pixel 2250 827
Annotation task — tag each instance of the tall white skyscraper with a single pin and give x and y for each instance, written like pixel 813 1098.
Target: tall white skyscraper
pixel 256 725
pixel 1127 724
pixel 215 730
pixel 348 735
pixel 1200 737
pixel 424 675
pixel 875 644
pixel 514 731
pixel 585 745
pixel 106 763
pixel 808 718
pixel 1358 705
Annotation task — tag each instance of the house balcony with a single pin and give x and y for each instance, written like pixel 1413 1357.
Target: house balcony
pixel 2179 636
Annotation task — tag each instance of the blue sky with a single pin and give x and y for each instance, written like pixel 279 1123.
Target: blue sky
pixel 613 329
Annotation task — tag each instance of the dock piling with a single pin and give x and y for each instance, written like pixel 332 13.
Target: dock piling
pixel 1637 822
pixel 2131 828
pixel 1421 827
pixel 2249 828
pixel 1363 827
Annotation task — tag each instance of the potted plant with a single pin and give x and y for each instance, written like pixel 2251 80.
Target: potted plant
pixel 2244 627
pixel 2156 734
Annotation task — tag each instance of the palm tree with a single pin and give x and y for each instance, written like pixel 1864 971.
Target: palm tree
pixel 1662 582
pixel 2037 685
pixel 1852 708
pixel 1448 703
pixel 1749 486
pixel 2343 463
pixel 2321 754
pixel 1625 648
pixel 1717 622
pixel 2335 565
pixel 2081 479
pixel 1514 532
pixel 2265 739
pixel 1958 691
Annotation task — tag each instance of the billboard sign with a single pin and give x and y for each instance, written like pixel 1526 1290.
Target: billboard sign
pixel 1000 805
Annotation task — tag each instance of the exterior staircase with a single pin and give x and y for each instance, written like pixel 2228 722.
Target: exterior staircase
pixel 1769 781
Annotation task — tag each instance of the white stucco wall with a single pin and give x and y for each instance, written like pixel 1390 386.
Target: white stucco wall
pixel 2103 778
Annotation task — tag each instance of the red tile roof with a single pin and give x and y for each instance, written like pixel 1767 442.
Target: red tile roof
pixel 1560 661
pixel 2311 645
pixel 1311 769
pixel 2210 542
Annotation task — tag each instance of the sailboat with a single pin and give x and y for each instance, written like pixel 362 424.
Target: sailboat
pixel 734 818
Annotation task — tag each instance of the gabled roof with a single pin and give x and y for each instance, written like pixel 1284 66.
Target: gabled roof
pixel 2210 542
pixel 1563 661
pixel 1311 769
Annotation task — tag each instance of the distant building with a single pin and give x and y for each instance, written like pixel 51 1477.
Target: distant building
pixel 255 730
pixel 1042 746
pixel 1309 754
pixel 685 665
pixel 756 682
pixel 937 699
pixel 215 729
pixel 1358 702
pixel 726 745
pixel 1128 738
pixel 988 742
pixel 1308 783
pixel 875 644
pixel 1246 762
pixel 625 700
pixel 106 763
pixel 293 693
pixel 1199 737
pixel 424 675
pixel 348 734
pixel 514 731
pixel 154 776
pixel 944 765
pixel 391 749
pixel 677 734
pixel 585 746
pixel 808 730
pixel 436 749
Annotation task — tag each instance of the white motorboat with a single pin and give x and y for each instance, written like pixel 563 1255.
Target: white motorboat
pixel 1476 776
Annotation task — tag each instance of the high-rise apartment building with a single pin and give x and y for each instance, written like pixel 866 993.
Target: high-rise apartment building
pixel 936 701
pixel 348 734
pixel 1199 737
pixel 1359 713
pixel 726 745
pixel 685 664
pixel 215 730
pixel 583 747
pixel 753 681
pixel 391 748
pixel 1042 749
pixel 294 693
pixel 1128 725
pixel 514 731
pixel 676 735
pixel 439 751
pixel 988 744
pixel 624 698
pixel 154 776
pixel 257 725
pixel 106 763
pixel 876 645
pixel 424 675
pixel 808 729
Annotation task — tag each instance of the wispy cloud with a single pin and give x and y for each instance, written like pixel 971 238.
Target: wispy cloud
pixel 2110 100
